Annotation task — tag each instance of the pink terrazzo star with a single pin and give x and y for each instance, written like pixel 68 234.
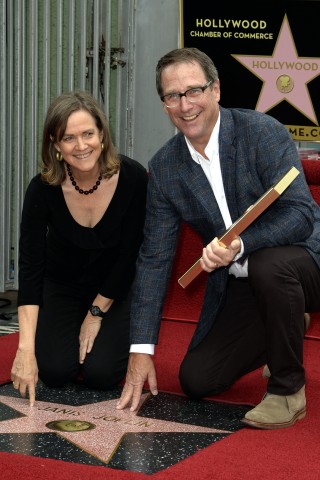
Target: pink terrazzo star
pixel 284 63
pixel 110 424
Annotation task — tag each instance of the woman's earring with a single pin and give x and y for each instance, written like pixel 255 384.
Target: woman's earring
pixel 59 156
pixel 102 147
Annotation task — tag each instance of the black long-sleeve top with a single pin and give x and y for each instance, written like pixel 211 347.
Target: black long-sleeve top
pixel 55 246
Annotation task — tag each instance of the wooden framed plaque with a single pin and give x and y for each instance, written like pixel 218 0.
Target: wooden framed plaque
pixel 244 221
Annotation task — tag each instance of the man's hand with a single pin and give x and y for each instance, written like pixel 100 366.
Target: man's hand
pixel 140 369
pixel 214 255
pixel 88 332
pixel 24 374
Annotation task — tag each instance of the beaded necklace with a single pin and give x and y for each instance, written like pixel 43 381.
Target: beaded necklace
pixel 80 190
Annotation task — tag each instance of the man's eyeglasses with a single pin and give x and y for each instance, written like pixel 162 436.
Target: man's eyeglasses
pixel 192 95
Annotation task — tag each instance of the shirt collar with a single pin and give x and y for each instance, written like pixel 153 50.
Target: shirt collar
pixel 212 148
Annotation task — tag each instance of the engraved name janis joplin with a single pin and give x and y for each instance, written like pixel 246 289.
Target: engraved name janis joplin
pixel 97 434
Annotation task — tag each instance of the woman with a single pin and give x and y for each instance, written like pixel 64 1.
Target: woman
pixel 81 229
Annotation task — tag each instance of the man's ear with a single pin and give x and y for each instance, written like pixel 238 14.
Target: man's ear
pixel 216 90
pixel 165 108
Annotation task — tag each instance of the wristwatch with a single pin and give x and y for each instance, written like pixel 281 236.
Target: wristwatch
pixel 96 311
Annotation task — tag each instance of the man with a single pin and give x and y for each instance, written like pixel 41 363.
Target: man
pixel 259 287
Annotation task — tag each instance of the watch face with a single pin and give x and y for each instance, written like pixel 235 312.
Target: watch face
pixel 96 312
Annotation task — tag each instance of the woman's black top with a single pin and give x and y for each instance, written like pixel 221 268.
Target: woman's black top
pixel 55 246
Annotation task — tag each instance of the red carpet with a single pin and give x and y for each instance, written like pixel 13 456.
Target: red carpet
pixel 248 454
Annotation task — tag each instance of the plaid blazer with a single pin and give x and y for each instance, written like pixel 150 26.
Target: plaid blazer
pixel 255 152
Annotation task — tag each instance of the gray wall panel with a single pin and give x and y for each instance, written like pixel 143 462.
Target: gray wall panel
pixel 156 32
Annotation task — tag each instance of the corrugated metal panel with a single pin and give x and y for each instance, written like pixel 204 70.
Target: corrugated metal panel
pixel 4 167
pixel 46 47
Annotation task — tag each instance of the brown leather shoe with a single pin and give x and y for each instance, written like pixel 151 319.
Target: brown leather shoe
pixel 307 319
pixel 277 411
